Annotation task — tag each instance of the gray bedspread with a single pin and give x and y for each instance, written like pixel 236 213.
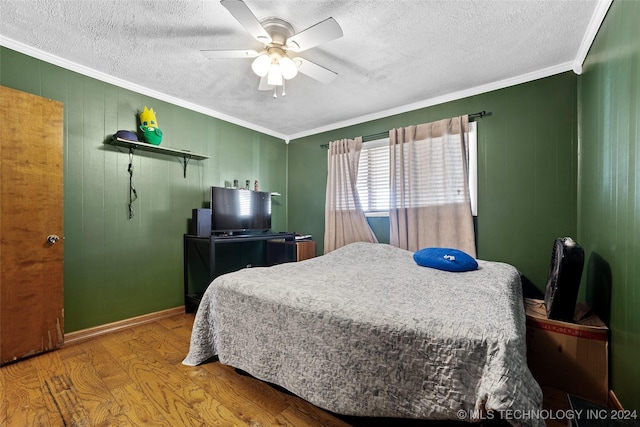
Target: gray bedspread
pixel 365 331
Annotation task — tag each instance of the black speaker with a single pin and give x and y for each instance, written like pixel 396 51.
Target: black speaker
pixel 201 222
pixel 563 282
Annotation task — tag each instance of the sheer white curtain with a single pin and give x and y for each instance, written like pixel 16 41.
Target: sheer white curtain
pixel 429 203
pixel 345 221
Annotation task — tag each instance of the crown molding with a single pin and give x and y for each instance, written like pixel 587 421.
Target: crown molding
pixel 589 36
pixel 98 75
pixel 524 78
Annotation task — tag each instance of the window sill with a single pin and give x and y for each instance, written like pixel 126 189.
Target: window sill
pixel 376 214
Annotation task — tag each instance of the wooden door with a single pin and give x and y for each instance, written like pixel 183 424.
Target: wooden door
pixel 31 266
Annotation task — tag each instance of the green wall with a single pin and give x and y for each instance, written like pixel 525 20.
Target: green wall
pixel 117 268
pixel 609 188
pixel 527 171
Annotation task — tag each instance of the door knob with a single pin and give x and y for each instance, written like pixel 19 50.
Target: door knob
pixel 52 238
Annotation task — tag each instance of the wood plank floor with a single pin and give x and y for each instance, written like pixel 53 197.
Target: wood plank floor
pixel 135 377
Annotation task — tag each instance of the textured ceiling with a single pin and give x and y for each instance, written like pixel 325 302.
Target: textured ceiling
pixel 393 53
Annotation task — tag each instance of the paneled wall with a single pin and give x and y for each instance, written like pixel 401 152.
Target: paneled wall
pixel 609 188
pixel 527 171
pixel 532 187
pixel 116 268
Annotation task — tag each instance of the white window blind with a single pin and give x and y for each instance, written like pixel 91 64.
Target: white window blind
pixel 473 167
pixel 373 177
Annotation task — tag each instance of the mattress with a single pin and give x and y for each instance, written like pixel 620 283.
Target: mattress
pixel 365 331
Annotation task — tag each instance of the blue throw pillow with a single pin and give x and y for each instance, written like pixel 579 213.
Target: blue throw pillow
pixel 445 259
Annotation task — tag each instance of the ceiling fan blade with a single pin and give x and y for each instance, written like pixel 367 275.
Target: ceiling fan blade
pixel 315 71
pixel 229 54
pixel 321 32
pixel 264 85
pixel 243 15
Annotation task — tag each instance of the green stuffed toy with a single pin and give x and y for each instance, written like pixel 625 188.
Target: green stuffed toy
pixel 149 127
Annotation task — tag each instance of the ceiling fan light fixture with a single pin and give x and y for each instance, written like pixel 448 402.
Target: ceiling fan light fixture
pixel 275 76
pixel 273 65
pixel 288 68
pixel 261 65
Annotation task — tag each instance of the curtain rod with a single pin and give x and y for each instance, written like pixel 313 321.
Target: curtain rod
pixel 381 135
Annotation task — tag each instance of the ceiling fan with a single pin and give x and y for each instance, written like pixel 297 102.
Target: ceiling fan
pixel 277 62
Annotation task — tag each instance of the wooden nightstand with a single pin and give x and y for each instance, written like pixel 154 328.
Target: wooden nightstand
pixel 305 249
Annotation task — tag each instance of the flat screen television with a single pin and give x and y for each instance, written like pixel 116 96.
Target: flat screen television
pixel 234 210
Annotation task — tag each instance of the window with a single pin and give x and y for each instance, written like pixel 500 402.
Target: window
pixel 373 176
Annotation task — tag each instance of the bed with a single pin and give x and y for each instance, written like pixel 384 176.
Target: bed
pixel 365 331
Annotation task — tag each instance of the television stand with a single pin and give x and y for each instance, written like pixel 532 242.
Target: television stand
pixel 207 257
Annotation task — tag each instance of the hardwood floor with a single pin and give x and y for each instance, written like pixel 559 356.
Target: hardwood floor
pixel 134 377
